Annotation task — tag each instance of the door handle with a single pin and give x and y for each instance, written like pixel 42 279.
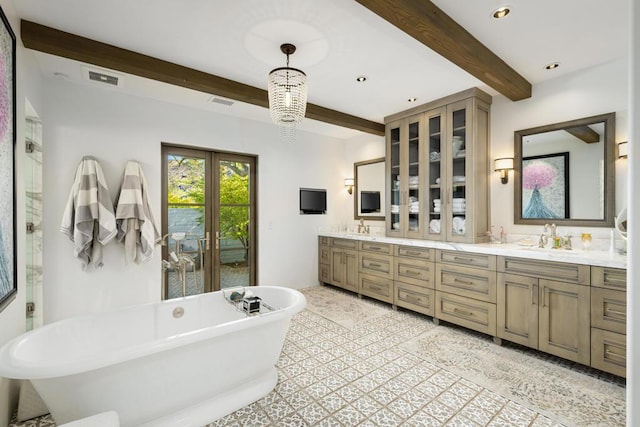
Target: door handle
pixel 217 240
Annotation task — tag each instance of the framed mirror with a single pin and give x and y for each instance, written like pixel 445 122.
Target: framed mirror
pixel 368 195
pixel 564 173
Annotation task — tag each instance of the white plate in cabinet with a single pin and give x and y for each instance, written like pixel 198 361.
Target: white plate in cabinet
pixel 414 271
pixel 377 265
pixel 379 248
pixel 466 259
pixel 609 278
pixel 466 281
pixel 609 352
pixel 376 287
pixel 609 310
pixel 470 313
pixel 415 298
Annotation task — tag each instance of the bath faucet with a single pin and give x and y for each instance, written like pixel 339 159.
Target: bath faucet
pixel 363 228
pixel 544 237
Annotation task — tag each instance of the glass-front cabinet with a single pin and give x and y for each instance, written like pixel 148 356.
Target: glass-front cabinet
pixel 405 148
pixel 438 170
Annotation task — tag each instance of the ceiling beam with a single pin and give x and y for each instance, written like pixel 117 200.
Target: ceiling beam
pixel 425 22
pixel 584 133
pixel 55 42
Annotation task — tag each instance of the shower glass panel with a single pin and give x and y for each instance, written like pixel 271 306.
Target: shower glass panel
pixel 33 190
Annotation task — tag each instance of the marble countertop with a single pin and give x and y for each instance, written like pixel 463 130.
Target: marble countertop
pixel 575 256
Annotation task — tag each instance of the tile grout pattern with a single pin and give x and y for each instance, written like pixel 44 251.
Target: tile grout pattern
pixel 332 375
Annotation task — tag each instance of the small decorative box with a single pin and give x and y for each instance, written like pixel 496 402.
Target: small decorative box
pixel 251 305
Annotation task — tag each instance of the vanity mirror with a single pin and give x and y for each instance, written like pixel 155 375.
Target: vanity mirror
pixel 368 197
pixel 564 173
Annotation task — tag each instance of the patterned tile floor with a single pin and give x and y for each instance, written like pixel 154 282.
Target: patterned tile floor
pixel 334 375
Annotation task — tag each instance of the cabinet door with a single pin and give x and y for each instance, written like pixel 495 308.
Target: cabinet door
pixel 517 309
pixel 393 171
pixel 336 276
pixel 436 200
pixel 351 270
pixel 564 320
pixel 405 150
pixel 458 155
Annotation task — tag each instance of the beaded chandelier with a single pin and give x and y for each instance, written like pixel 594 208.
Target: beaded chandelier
pixel 287 95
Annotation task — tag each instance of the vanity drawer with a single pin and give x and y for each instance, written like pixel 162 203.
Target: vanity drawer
pixel 466 281
pixel 344 243
pixel 609 278
pixel 376 287
pixel 470 313
pixel 609 352
pixel 324 273
pixel 380 248
pixel 414 252
pixel 466 259
pixel 325 255
pixel 414 298
pixel 609 310
pixel 565 272
pixel 377 265
pixel 414 271
pixel 325 241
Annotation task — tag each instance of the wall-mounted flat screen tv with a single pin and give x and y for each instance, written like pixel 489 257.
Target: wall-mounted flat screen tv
pixel 313 201
pixel 369 201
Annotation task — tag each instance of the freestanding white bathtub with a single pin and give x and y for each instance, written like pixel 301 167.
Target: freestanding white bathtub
pixel 152 366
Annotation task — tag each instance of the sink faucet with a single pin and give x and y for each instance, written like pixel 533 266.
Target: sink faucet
pixel 363 228
pixel 544 237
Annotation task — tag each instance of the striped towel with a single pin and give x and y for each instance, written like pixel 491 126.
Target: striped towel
pixel 88 218
pixel 134 216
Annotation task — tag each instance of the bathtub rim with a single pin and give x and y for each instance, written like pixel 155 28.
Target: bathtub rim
pixel 12 367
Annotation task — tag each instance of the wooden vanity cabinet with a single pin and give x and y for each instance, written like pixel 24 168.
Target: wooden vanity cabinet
pixel 466 290
pixel 550 315
pixel 375 270
pixel 413 279
pixel 609 320
pixel 342 267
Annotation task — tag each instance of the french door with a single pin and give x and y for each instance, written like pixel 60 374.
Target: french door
pixel 208 222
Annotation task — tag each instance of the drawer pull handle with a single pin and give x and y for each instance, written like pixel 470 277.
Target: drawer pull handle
pixel 459 258
pixel 464 282
pixel 620 313
pixel 415 253
pixel 463 312
pixel 613 355
pixel 374 248
pixel 412 272
pixel 374 288
pixel 374 264
pixel 412 299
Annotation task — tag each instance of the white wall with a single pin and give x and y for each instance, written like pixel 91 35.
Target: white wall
pixel 12 318
pixel 598 90
pixel 84 120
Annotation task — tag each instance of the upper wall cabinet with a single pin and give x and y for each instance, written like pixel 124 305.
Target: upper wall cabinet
pixel 437 170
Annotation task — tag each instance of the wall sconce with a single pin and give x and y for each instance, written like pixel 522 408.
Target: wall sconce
pixel 623 150
pixel 503 165
pixel 348 183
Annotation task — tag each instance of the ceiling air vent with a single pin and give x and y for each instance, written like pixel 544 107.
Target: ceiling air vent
pixel 217 100
pixel 102 76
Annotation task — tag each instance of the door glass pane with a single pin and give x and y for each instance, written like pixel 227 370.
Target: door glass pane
pixel 414 177
pixel 394 196
pixel 234 220
pixel 183 267
pixel 458 180
pixel 435 175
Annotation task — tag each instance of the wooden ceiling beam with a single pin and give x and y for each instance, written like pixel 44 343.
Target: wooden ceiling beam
pixel 425 22
pixel 55 42
pixel 584 133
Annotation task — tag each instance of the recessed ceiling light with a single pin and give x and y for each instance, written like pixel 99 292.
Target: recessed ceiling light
pixel 552 65
pixel 412 99
pixel 501 12
pixel 361 79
